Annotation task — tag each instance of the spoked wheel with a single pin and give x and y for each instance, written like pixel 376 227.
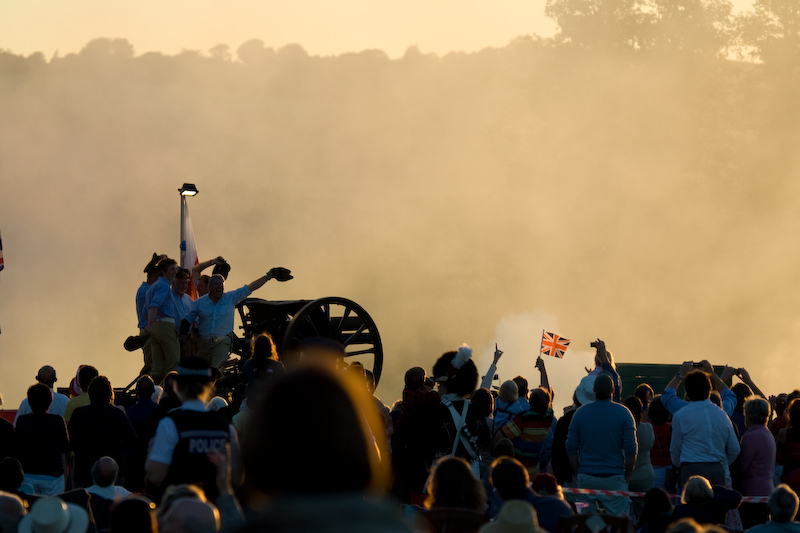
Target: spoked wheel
pixel 342 320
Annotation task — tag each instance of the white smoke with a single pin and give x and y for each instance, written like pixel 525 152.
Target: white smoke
pixel 519 337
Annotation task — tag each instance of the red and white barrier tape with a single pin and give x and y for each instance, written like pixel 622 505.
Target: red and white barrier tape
pixel 745 499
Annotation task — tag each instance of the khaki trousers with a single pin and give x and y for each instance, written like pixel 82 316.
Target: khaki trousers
pixel 165 349
pixel 148 354
pixel 216 351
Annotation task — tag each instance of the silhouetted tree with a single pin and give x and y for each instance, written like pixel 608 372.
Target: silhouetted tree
pixel 221 51
pixel 693 26
pixel 771 32
pixel 600 24
pixel 103 47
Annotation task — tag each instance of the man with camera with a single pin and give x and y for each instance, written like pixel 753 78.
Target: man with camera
pixel 703 441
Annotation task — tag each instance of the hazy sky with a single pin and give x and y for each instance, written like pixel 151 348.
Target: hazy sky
pixel 322 27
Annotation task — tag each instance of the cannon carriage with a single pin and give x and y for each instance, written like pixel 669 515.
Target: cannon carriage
pixel 291 321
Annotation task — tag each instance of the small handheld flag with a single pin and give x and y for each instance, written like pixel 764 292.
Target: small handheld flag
pixel 553 345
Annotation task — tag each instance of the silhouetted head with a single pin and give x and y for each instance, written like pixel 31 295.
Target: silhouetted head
pixel 11 511
pixel 522 386
pixel 656 412
pixel 11 474
pixel 742 392
pixel 603 386
pixel 105 471
pixel 452 484
pixel 504 448
pixel 47 376
pixel 645 394
pixel 285 411
pixel 262 347
pixel 100 391
pixel 509 392
pixel 415 378
pixel 509 477
pixel 145 387
pixel 189 515
pixel 634 405
pixel 40 397
pixel 540 400
pixel 793 413
pixel 757 411
pixel 697 491
pixel 134 514
pixel 697 385
pixel 656 502
pixel 783 504
pixel 484 401
pixel 85 376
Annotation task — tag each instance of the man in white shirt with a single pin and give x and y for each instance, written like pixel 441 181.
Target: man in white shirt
pixel 214 314
pixel 46 376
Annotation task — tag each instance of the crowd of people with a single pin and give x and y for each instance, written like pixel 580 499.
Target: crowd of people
pixel 311 448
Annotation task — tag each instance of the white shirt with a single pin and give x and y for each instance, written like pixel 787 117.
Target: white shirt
pixel 216 320
pixel 702 433
pixel 112 492
pixel 57 407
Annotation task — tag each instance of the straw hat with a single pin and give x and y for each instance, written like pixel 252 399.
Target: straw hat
pixel 52 515
pixel 516 516
pixel 585 391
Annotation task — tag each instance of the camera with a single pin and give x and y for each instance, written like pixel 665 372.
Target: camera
pixel 594 344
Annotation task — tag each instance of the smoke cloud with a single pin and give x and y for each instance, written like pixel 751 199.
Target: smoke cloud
pixel 648 199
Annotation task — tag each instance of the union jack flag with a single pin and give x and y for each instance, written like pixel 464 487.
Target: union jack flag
pixel 554 345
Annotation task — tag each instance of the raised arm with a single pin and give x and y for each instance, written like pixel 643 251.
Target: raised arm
pixel 278 273
pixel 486 383
pixel 198 268
pixel 544 382
pixel 675 382
pixel 745 376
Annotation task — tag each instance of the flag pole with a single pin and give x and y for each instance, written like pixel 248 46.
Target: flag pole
pixel 541 344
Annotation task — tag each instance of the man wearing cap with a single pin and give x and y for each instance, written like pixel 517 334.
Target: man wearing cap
pixel 151 269
pixel 160 304
pixel 601 445
pixel 186 435
pixel 214 314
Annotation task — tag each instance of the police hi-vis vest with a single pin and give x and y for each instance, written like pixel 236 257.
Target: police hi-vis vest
pixel 198 433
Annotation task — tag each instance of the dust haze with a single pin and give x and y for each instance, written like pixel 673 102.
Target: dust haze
pixel 632 178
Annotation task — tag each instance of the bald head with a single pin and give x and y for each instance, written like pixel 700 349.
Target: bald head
pixel 11 511
pixel 105 471
pixel 46 376
pixel 603 386
pixel 189 515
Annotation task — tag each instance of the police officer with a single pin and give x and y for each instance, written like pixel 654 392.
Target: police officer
pixel 187 434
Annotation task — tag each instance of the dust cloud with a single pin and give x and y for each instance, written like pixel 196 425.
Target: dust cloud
pixel 642 190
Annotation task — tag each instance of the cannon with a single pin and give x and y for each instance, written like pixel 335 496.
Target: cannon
pixel 291 321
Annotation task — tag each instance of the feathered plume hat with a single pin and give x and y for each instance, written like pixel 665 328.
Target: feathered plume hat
pixel 456 371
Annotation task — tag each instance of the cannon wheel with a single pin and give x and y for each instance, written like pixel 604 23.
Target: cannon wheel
pixel 339 319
